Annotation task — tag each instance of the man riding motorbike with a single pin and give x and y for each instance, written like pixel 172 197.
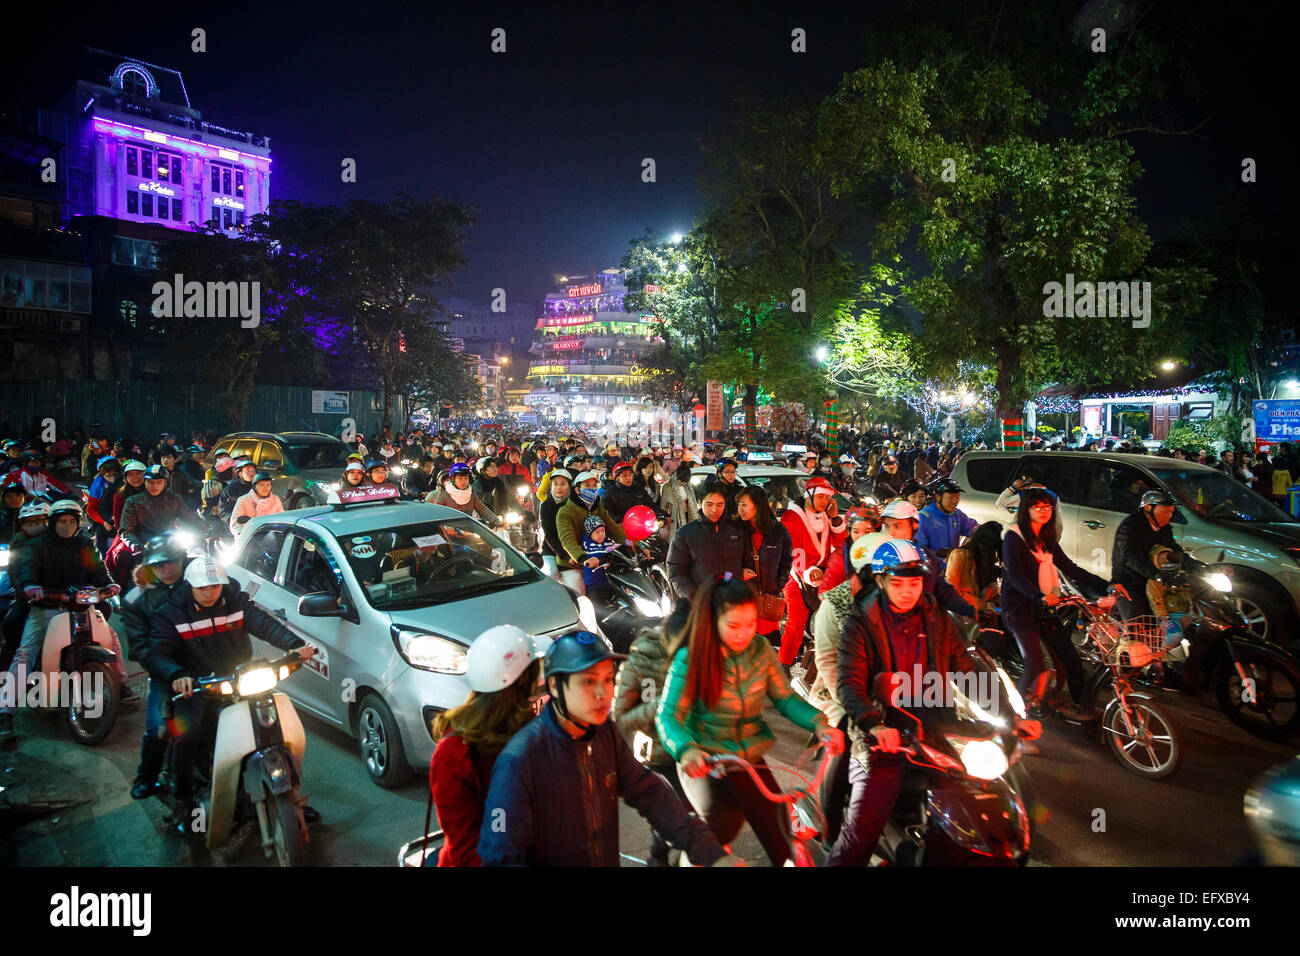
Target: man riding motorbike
pixel 38 481
pixel 205 631
pixel 61 558
pixel 155 512
pixel 894 627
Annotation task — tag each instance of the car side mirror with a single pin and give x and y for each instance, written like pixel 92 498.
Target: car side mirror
pixel 1179 517
pixel 320 604
pixel 537 560
pixel 275 463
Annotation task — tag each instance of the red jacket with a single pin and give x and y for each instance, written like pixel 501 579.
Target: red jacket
pixel 809 552
pixel 459 776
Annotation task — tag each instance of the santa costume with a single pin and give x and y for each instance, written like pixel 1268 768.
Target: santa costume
pixel 817 539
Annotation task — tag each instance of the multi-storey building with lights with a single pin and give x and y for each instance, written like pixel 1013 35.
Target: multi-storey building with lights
pixel 586 357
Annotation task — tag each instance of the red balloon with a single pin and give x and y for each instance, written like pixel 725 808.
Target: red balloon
pixel 639 523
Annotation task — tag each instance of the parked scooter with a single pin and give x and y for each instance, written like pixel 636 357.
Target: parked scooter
pixel 77 664
pixel 1256 684
pixel 257 760
pixel 522 523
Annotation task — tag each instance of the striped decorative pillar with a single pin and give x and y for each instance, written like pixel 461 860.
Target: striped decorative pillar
pixel 832 427
pixel 751 424
pixel 1013 434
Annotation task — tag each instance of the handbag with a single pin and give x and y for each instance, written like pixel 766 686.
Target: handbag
pixel 771 607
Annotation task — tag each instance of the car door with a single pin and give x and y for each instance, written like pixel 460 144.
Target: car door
pixel 1112 493
pixel 1063 475
pixel 310 568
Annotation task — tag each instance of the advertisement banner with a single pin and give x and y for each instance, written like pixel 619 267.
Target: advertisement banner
pixel 713 406
pixel 1276 420
pixel 329 403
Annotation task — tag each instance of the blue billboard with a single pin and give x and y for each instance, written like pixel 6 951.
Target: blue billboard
pixel 1276 420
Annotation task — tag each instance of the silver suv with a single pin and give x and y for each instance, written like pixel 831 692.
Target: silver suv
pixel 1219 520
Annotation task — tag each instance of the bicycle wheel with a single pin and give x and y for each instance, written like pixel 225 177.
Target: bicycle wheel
pixel 1147 743
pixel 1274 713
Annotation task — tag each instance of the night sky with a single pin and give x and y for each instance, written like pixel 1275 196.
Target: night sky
pixel 547 139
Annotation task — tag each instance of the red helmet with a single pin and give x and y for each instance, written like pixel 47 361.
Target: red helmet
pixel 818 484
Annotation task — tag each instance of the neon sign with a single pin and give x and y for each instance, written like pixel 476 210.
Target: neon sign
pixel 158 188
pixel 566 320
pixel 227 201
pixel 652 288
pixel 577 290
pixel 567 344
pixel 546 370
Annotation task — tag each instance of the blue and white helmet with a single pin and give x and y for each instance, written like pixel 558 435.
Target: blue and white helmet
pixel 899 557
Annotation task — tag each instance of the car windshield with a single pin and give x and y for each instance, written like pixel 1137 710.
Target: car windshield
pixel 318 454
pixel 1212 494
pixel 432 562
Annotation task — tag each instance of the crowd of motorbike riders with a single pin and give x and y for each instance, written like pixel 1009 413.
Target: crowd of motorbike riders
pixel 760 586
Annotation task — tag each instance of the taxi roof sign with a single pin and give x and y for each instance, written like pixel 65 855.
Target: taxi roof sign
pixel 363 494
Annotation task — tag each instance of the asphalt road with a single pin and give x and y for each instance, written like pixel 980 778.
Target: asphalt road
pixel 62 804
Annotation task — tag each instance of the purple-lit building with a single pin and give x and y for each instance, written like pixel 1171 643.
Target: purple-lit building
pixel 138 150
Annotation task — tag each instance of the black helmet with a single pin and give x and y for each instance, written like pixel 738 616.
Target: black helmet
pixel 945 486
pixel 162 548
pixel 911 487
pixel 1157 496
pixel 373 462
pixel 261 476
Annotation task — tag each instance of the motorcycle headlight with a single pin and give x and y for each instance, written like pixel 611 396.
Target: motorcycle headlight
pixel 430 652
pixel 185 539
pixel 397 470
pixel 4 557
pixel 257 681
pixel 513 517
pixel 587 613
pixel 647 607
pixel 665 604
pixel 983 759
pixel 1219 581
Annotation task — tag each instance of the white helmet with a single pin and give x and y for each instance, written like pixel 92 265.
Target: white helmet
pixel 65 506
pixel 133 465
pixel 500 654
pixel 204 572
pixel 901 508
pixel 34 509
pixel 847 459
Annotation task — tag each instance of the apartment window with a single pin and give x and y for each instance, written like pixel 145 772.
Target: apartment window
pixel 239 184
pixel 216 214
pixel 146 204
pixel 140 253
pixel 132 201
pixel 176 171
pixel 176 210
pixel 164 207
pixel 146 164
pixel 128 311
pixel 41 285
pixel 227 220
pixel 239 218
pixel 132 161
pixel 216 178
pixel 225 181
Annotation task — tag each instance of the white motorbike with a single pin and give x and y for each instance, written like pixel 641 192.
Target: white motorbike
pixel 257 760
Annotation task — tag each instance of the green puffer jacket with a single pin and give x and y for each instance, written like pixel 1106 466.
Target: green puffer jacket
pixel 640 685
pixel 749 679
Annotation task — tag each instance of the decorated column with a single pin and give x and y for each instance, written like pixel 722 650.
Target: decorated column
pixel 832 426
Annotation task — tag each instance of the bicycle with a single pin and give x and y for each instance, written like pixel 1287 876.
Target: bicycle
pixel 806 819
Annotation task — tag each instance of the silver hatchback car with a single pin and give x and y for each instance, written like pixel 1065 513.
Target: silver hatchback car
pixel 391 594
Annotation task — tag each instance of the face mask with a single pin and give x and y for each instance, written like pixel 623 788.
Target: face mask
pixel 588 495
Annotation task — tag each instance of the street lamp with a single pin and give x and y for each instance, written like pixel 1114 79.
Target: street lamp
pixel 823 353
pixel 1168 365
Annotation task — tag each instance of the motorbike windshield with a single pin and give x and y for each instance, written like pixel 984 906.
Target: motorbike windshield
pixel 1214 495
pixel 433 562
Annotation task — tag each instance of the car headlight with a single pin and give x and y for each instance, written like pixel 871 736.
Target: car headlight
pixel 430 652
pixel 226 553
pixel 647 607
pixel 257 681
pixel 983 759
pixel 665 604
pixel 1219 581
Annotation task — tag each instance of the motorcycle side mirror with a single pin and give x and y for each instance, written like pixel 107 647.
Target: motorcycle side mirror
pixel 536 559
pixel 320 604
